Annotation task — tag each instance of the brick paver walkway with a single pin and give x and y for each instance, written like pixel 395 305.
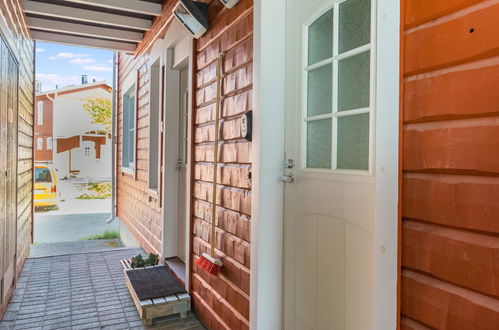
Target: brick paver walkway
pixel 80 291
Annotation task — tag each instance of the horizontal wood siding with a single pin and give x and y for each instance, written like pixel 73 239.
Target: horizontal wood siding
pixel 450 241
pixel 17 37
pixel 221 302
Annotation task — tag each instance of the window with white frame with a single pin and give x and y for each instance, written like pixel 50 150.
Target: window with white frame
pixel 154 123
pixel 337 88
pixel 39 143
pixel 39 114
pixel 50 143
pixel 128 146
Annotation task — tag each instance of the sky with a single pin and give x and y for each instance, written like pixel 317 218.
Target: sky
pixel 63 65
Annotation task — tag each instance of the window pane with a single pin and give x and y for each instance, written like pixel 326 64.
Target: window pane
pixel 353 82
pixel 319 143
pixel 320 91
pixel 354 24
pixel 320 38
pixel 353 142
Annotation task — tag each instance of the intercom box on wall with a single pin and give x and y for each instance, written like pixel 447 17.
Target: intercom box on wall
pixel 193 15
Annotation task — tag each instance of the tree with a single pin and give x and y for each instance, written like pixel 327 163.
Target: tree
pixel 99 109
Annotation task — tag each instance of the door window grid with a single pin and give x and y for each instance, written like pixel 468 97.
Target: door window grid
pixel 334 114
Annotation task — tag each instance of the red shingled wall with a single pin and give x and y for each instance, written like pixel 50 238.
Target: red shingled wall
pixel 450 227
pixel 221 302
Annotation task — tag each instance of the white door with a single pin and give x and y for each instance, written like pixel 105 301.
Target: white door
pixel 182 161
pixel 328 208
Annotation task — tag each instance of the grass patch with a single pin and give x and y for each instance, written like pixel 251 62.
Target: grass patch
pixel 108 234
pixel 97 190
pixel 88 196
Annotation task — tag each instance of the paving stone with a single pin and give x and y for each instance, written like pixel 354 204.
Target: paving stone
pixel 9 316
pixel 94 325
pixel 85 320
pixel 6 325
pixel 115 326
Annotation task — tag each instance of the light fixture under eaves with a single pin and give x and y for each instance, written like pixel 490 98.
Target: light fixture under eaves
pixel 193 15
pixel 229 3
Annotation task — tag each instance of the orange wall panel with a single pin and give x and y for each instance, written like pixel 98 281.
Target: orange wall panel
pixel 465 92
pixel 467 259
pixel 450 165
pixel 453 149
pixel 473 36
pixel 421 11
pixel 440 305
pixel 467 202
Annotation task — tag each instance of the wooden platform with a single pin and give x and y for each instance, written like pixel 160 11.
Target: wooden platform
pixel 151 308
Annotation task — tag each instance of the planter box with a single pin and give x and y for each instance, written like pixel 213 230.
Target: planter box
pixel 157 307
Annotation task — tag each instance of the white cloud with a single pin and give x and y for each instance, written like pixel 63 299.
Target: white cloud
pixel 110 61
pixel 50 80
pixel 99 67
pixel 82 61
pixel 40 50
pixel 69 55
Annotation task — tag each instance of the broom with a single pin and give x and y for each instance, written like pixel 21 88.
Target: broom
pixel 209 262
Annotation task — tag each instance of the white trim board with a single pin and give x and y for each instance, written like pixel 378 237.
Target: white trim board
pixel 268 158
pixel 386 169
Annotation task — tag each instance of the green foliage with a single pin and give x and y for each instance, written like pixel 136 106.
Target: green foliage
pixel 99 109
pixel 139 261
pixel 108 234
pixel 99 190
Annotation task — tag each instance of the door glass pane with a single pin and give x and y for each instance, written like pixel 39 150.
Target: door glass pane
pixel 319 134
pixel 354 24
pixel 353 82
pixel 320 38
pixel 353 142
pixel 320 91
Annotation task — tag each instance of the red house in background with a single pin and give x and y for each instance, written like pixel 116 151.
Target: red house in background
pixel 43 126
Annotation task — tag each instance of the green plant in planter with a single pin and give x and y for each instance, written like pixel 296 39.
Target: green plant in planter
pixel 152 259
pixel 139 261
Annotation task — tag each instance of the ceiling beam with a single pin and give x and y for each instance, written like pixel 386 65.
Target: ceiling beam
pixel 82 41
pixel 133 6
pixel 85 15
pixel 47 24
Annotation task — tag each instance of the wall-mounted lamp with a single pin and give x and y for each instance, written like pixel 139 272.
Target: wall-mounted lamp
pixel 193 16
pixel 229 3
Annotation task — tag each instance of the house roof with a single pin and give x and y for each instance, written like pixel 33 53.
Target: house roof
pixel 110 24
pixel 77 88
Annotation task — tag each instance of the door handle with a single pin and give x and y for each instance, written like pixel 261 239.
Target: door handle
pixel 288 178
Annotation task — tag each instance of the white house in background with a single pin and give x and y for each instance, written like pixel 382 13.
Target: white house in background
pixel 79 147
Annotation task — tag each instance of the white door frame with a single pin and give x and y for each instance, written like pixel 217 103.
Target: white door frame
pixel 176 48
pixel 268 157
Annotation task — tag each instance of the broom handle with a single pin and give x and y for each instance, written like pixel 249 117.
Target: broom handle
pixel 215 158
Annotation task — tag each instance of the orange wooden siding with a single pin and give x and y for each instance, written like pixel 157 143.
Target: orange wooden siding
pixel 450 194
pixel 221 302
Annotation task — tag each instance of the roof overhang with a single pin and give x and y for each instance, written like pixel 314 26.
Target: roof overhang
pixel 110 24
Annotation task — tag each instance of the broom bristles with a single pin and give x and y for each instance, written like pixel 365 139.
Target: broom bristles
pixel 209 264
